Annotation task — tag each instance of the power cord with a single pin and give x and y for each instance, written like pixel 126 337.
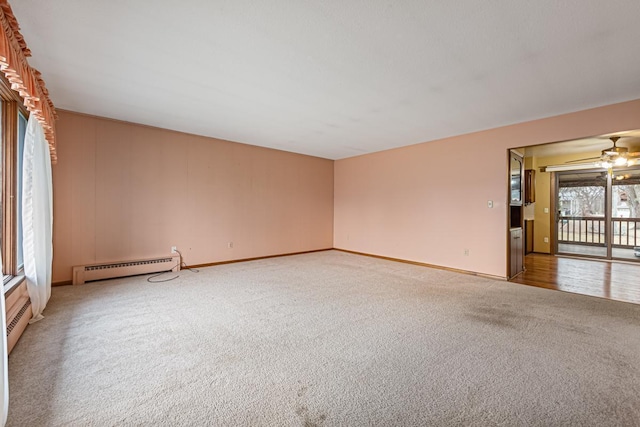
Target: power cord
pixel 150 278
pixel 184 266
pixel 180 263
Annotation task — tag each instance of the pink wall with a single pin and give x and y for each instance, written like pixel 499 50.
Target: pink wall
pixel 428 202
pixel 124 191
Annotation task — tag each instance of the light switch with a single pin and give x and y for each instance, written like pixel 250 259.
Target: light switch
pixel 546 210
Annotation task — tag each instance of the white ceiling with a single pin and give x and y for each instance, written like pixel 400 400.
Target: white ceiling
pixel 333 78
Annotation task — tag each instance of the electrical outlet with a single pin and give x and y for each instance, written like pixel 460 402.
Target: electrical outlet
pixel 546 210
pixel 174 249
pixel 546 240
pixel 466 252
pixel 490 203
pixel 230 245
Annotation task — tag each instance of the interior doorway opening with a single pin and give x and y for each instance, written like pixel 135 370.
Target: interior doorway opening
pixel 602 232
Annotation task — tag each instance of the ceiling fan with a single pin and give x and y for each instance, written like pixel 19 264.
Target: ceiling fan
pixel 612 156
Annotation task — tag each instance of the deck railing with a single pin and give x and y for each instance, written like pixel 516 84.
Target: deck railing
pixel 591 231
pixel 626 232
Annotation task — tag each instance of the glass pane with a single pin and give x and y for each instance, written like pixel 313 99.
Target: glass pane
pixel 516 180
pixel 1 183
pixel 22 128
pixel 625 214
pixel 581 226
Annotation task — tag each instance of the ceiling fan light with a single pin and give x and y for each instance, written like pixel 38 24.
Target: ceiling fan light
pixel 620 161
pixel 606 164
pixel 614 151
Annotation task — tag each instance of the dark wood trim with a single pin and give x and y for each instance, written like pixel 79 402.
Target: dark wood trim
pixel 232 261
pixel 553 212
pixel 508 230
pixel 529 236
pixel 529 186
pixel 423 264
pixel 515 215
pixel 608 213
pixel 9 196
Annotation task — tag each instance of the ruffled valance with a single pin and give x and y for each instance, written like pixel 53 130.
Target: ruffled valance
pixel 24 79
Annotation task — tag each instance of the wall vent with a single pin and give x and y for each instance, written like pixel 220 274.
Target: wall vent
pixel 111 270
pixel 18 316
pixel 18 307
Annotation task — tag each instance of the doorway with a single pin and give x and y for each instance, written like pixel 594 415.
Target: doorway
pixel 598 213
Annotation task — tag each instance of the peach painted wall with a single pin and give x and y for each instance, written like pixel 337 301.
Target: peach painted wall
pixel 428 202
pixel 125 191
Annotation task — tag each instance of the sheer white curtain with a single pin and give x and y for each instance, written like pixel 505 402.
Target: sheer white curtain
pixel 37 217
pixel 4 360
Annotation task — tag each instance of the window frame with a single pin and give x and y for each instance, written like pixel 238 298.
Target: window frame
pixel 12 105
pixel 19 260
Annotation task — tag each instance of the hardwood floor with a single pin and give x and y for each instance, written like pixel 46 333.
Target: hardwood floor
pixel 612 280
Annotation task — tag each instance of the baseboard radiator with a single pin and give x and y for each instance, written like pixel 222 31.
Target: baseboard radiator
pixel 112 270
pixel 18 306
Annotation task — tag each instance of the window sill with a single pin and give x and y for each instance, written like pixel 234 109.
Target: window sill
pixel 13 283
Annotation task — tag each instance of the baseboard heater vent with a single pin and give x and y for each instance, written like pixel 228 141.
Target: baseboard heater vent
pixel 18 306
pixel 18 317
pixel 112 270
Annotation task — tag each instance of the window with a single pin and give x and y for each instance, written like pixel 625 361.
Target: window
pixel 1 181
pixel 599 213
pixel 13 128
pixel 22 130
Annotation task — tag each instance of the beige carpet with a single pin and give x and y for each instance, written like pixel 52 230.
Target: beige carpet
pixel 326 339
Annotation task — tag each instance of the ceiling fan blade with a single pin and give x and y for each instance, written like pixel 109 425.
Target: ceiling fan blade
pixel 584 160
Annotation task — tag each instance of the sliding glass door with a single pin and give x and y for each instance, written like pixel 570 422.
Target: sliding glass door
pixel 625 215
pixel 581 226
pixel 598 214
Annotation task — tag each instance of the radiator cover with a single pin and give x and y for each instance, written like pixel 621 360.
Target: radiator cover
pixel 111 270
pixel 18 306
